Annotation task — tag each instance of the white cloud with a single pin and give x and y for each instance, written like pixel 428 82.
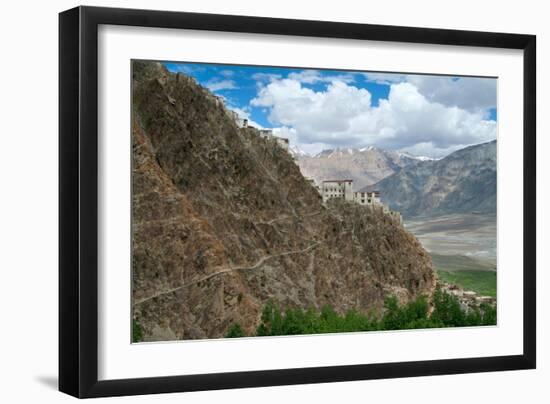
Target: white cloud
pixel 186 69
pixel 227 73
pixel 265 77
pixel 216 84
pixel 314 76
pixel 309 112
pixel 384 78
pixel 470 93
pixel 342 116
pixel 305 76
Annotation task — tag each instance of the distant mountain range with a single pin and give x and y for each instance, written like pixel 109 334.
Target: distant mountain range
pixel 365 166
pixel 464 181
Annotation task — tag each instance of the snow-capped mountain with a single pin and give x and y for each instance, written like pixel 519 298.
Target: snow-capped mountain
pixel 297 152
pixel 420 158
pixel 365 166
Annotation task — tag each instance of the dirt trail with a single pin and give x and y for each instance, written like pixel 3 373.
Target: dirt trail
pixel 226 270
pixel 278 219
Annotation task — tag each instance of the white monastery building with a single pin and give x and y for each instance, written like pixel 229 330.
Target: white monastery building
pixel 337 189
pixel 343 189
pixel 367 198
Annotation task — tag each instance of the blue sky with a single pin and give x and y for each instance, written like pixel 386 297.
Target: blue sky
pixel 320 109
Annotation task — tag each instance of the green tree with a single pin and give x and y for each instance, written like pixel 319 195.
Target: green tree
pixel 137 331
pixel 489 316
pixel 235 331
pixel 271 321
pixel 447 310
pixel 415 314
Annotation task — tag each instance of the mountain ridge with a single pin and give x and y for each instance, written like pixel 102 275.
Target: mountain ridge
pixel 223 221
pixel 365 166
pixel 462 182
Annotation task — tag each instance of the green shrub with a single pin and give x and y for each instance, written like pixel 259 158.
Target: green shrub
pixel 137 331
pixel 235 331
pixel 411 315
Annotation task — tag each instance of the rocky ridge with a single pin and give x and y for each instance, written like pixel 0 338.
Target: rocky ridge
pixel 223 221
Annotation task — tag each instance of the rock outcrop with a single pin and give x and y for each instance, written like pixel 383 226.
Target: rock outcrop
pixel 223 220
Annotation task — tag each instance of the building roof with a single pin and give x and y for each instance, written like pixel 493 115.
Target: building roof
pixel 338 181
pixel 367 192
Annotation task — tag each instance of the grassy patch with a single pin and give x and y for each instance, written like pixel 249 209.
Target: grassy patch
pixel 453 263
pixel 481 282
pixel 469 273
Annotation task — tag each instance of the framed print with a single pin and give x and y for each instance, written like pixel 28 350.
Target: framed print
pixel 251 201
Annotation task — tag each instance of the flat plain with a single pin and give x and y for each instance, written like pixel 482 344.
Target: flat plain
pixel 463 248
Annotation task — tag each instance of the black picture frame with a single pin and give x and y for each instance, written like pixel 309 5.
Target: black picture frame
pixel 78 201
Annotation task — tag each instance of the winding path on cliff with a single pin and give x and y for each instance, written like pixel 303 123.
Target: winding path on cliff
pixel 226 270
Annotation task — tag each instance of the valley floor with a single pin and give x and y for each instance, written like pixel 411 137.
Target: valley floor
pixel 463 248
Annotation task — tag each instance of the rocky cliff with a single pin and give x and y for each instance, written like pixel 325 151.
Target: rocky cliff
pixel 223 220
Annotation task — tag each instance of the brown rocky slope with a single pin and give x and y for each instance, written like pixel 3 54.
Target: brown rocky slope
pixel 223 220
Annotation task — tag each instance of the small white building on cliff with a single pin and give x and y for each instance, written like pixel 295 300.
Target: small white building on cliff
pixel 337 189
pixel 344 189
pixel 367 198
pixel 243 123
